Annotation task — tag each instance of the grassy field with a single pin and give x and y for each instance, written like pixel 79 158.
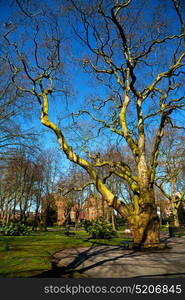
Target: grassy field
pixel 26 256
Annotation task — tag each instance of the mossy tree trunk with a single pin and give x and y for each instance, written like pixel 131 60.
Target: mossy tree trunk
pixel 147 222
pixel 175 203
pixel 145 227
pixel 175 213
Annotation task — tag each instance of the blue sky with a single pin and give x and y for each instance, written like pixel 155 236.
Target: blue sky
pixel 81 86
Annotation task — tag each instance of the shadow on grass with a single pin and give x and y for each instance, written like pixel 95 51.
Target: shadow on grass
pixel 79 261
pixel 76 262
pixel 71 271
pixel 76 268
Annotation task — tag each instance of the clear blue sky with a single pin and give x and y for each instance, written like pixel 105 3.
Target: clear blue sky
pixel 83 87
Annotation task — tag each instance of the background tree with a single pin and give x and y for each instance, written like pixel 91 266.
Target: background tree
pixel 72 188
pixel 171 170
pixel 49 160
pixel 18 178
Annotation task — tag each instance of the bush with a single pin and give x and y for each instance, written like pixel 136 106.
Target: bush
pixel 14 229
pixel 120 222
pixel 100 229
pixel 85 223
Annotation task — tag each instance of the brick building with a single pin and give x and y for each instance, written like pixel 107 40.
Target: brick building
pixel 94 207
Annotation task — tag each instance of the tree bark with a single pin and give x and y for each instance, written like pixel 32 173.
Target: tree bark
pixel 145 223
pixel 174 204
pixel 145 227
pixel 176 218
pixel 113 220
pixel 175 214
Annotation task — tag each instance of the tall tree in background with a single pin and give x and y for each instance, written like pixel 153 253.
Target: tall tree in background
pixel 18 180
pixel 12 135
pixel 171 170
pixel 49 161
pixel 136 53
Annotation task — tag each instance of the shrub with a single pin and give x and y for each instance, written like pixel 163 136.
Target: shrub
pixel 85 223
pixel 120 222
pixel 14 229
pixel 100 229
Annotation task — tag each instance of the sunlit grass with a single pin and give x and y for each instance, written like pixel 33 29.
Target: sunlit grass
pixel 26 256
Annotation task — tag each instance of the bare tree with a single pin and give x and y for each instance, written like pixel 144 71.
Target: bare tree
pixel 171 169
pixel 139 62
pixel 49 173
pixel 18 181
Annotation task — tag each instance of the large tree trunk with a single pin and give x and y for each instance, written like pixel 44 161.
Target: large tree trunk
pixel 175 214
pixel 174 204
pixel 143 219
pixel 113 220
pixel 145 223
pixel 145 227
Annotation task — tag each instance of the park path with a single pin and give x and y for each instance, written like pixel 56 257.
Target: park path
pixel 116 262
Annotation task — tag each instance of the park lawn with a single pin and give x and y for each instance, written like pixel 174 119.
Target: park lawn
pixel 27 256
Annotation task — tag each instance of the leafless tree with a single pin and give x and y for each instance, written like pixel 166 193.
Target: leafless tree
pixel 137 55
pixel 171 170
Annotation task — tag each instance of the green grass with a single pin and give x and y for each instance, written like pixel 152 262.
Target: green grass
pixel 164 228
pixel 26 256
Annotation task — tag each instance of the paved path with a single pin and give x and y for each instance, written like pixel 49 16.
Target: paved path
pixel 116 262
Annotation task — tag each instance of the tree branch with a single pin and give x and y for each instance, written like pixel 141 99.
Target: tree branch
pixel 165 74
